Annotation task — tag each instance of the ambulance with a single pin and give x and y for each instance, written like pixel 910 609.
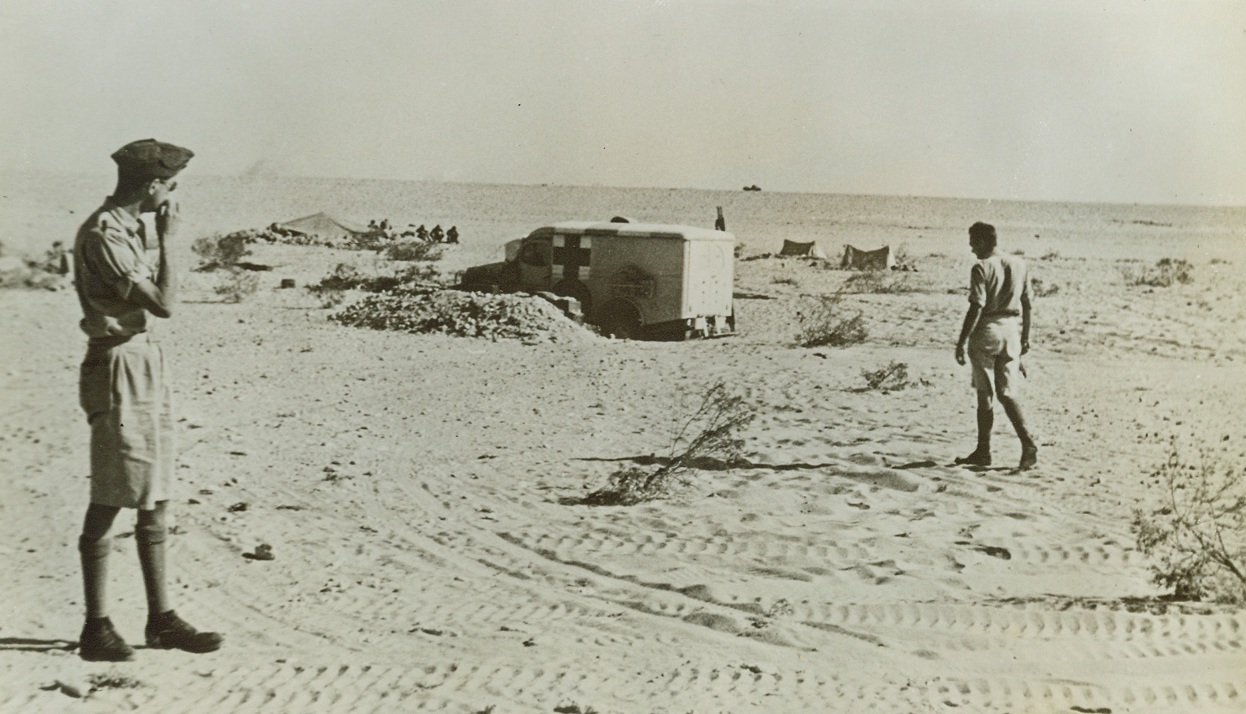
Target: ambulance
pixel 632 280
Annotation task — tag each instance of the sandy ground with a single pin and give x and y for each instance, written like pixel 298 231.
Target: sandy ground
pixel 413 489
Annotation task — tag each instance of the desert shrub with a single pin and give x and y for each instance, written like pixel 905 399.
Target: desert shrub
pixel 893 377
pixel 1042 289
pixel 332 288
pixel 826 325
pixel 412 250
pixel 1051 255
pixel 221 251
pixel 710 432
pixel 785 280
pixel 344 277
pixel 1163 274
pixel 878 282
pixel 423 274
pixel 1197 534
pixel 330 299
pixel 237 285
pixel 112 680
pixel 374 240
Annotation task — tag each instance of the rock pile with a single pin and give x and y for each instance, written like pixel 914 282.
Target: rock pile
pixel 463 314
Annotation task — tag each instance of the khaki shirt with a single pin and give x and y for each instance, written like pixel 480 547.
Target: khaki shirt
pixel 1000 285
pixel 110 256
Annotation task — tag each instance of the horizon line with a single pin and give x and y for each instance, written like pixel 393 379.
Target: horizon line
pixel 280 176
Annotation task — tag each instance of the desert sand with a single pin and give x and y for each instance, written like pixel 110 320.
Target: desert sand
pixel 414 488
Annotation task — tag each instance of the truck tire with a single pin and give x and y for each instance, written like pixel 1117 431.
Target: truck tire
pixel 620 320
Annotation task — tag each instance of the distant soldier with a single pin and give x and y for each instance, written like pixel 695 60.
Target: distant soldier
pixel 124 389
pixel 58 259
pixel 996 331
pixel 422 233
pixel 437 234
pixel 720 223
pixel 452 235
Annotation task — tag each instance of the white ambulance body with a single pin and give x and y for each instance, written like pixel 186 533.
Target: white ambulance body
pixel 649 280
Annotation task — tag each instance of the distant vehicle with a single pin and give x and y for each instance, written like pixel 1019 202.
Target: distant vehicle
pixel 754 187
pixel 632 280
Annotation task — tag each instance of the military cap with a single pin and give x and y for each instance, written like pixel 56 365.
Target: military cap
pixel 149 158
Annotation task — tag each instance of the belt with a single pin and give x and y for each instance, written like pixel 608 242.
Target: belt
pixel 138 338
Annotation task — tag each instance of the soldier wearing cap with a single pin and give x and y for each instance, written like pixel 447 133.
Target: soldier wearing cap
pixel 124 390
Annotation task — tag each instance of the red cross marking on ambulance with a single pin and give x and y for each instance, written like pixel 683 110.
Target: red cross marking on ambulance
pixel 570 253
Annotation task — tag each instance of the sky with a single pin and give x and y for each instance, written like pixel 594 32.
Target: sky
pixel 1127 101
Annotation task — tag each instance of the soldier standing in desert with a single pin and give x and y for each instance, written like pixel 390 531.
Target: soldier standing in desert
pixel 124 390
pixel 996 331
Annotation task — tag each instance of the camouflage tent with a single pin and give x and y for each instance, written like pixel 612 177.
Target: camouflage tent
pixel 803 250
pixel 322 224
pixel 857 259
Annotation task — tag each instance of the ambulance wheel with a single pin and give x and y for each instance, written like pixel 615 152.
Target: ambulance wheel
pixel 621 321
pixel 577 290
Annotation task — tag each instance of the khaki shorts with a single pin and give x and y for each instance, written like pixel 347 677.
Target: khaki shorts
pixel 995 354
pixel 125 392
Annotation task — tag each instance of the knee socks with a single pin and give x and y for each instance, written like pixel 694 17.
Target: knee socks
pixel 986 422
pixel 94 554
pixel 150 540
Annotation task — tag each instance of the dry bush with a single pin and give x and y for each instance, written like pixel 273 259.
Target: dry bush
pixel 413 250
pixel 893 377
pixel 112 680
pixel 1164 273
pixel 221 251
pixel 710 433
pixel 237 285
pixel 826 325
pixel 1042 289
pixel 1197 534
pixel 879 282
